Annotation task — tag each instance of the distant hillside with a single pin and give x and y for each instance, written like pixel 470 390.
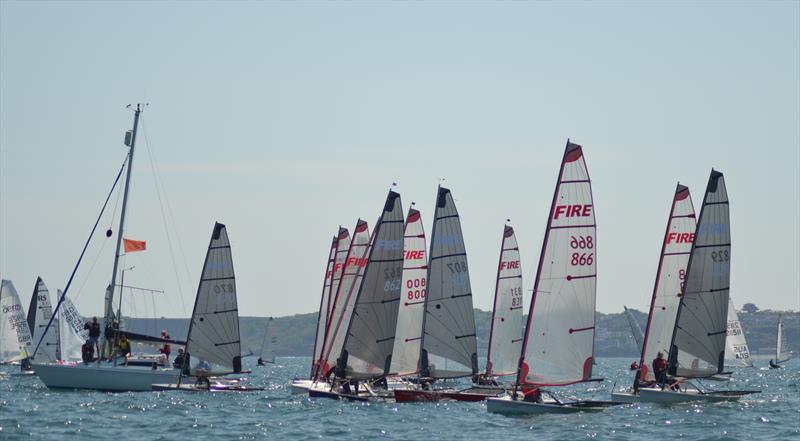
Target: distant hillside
pixel 613 339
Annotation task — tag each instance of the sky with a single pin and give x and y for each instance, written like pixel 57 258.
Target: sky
pixel 284 120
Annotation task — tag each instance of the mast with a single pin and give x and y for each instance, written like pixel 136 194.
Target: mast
pixel 131 142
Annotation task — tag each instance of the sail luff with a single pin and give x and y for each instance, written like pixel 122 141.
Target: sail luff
pixel 558 348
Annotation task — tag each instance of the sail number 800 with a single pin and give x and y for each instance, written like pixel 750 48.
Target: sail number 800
pixel 419 292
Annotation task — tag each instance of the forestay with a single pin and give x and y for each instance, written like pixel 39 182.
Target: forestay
pixel 670 275
pixel 736 350
pixel 449 348
pixel 405 354
pixel 214 328
pixel 39 313
pixel 70 326
pixel 16 342
pixel 702 316
pixel 352 274
pixel 505 335
pixel 368 344
pixel 325 298
pixel 559 343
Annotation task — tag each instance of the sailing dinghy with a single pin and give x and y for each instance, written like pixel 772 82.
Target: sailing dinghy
pixel 780 344
pixel 670 275
pixel 365 358
pixel 333 273
pixel 558 347
pixel 267 353
pixel 636 330
pixel 16 342
pixel 697 344
pixel 213 338
pixel 448 347
pixel 736 351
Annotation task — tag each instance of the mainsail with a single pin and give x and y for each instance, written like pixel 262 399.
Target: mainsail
pixel 505 335
pixel 702 316
pixel 214 328
pixel 325 298
pixel 781 354
pixel 39 313
pixel 736 351
pixel 558 348
pixel 367 348
pixel 449 347
pixel 670 276
pixel 405 354
pixel 636 330
pixel 16 342
pixel 342 309
pixel 267 353
pixel 70 326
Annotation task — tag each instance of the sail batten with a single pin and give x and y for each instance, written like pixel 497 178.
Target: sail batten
pixel 701 323
pixel 214 327
pixel 448 346
pixel 558 346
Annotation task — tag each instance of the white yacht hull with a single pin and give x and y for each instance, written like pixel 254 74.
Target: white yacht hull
pixel 301 386
pixel 104 377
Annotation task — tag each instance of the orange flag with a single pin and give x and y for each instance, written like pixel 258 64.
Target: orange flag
pixel 134 245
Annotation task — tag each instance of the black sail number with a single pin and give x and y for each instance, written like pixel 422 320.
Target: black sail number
pixel 720 256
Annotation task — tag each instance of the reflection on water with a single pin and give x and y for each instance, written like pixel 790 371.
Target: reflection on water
pixel 28 410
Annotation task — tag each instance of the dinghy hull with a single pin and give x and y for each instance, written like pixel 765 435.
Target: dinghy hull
pixel 507 406
pixel 672 397
pixel 103 377
pixel 301 386
pixel 416 395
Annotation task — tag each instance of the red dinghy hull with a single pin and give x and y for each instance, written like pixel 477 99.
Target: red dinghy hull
pixel 413 396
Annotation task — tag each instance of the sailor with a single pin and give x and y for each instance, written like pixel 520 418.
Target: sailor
pixel 87 352
pixel 166 349
pixel 94 332
pixel 124 347
pixel 531 394
pixel 660 368
pixel 260 361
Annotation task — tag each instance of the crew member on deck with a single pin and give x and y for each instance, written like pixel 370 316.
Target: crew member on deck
pixel 166 349
pixel 660 368
pixel 124 347
pixel 94 333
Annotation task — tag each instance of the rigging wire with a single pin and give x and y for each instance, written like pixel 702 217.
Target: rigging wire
pixel 166 216
pixel 80 258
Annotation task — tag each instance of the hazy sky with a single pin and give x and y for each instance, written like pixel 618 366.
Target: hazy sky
pixel 284 120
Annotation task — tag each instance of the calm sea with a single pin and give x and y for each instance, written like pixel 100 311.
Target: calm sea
pixel 28 410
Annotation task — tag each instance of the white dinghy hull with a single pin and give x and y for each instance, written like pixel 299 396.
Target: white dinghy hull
pixel 103 377
pixel 301 386
pixel 671 397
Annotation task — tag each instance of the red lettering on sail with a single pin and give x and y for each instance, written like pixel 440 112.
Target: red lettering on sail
pixel 509 265
pixel 415 255
pixel 573 211
pixel 680 238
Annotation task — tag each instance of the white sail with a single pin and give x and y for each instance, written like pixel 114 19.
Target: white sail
pixel 736 350
pixel 559 341
pixel 702 317
pixel 267 353
pixel 367 349
pixel 449 347
pixel 72 334
pixel 781 354
pixel 39 313
pixel 16 342
pixel 325 298
pixel 214 328
pixel 636 330
pixel 505 335
pixel 342 310
pixel 405 354
pixel 670 275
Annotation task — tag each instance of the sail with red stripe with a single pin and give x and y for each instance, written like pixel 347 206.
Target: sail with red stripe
pixel 670 276
pixel 558 348
pixel 325 298
pixel 505 335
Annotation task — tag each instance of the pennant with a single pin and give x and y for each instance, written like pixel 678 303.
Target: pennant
pixel 134 245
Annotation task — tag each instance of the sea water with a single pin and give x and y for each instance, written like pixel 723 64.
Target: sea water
pixel 28 410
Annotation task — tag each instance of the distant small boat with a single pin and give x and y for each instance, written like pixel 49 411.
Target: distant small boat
pixel 780 344
pixel 16 342
pixel 267 354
